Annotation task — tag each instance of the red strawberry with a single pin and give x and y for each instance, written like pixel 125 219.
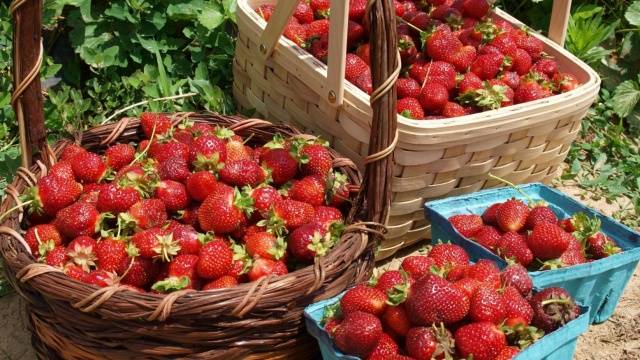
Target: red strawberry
pixel 510 78
pixel 263 199
pixel 489 215
pixel 215 259
pixel 309 241
pixel 318 30
pixel 357 9
pixel 468 285
pixel 62 170
pixel 327 215
pixel 410 108
pixel 487 236
pixel 421 343
pixel 364 82
pixel 445 13
pixel 208 152
pixel 52 194
pixel 116 199
pixel 516 276
pixel 303 12
pixel 141 272
pixel 56 257
pixel 290 214
pixel 567 224
pixel 355 33
pixel 99 278
pixel 565 82
pixel 508 353
pixel 407 48
pixel 407 87
pixel 469 82
pixel 200 185
pixel 467 224
pixel 187 238
pixel 78 219
pixel 338 189
pixel 265 11
pixel 311 189
pixel 163 151
pixel 442 44
pixel 242 172
pixel 449 255
pixel 390 279
pixel 476 9
pixel 363 298
pixel 514 246
pixel 112 255
pixel 385 347
pixel 119 155
pixel 358 334
pixel 316 160
pixel 540 214
pixel 265 245
pixel 442 73
pixel 363 51
pixel 435 300
pixel 396 321
pixel 156 243
pixel 42 238
pixel 487 305
pixel 485 271
pixel 158 124
pixel 225 210
pixel 521 62
pixel 552 308
pixel 480 340
pixel 295 32
pixel 546 241
pixel 419 19
pixel 282 165
pixel 222 282
pixel 457 272
pixel 264 267
pixel 546 66
pixel 75 272
pixel 487 66
pixel 512 215
pixel 175 169
pixel 145 214
pixel 433 96
pixel 451 110
pixel 506 43
pixel 181 274
pixel 530 44
pixel 417 266
pixel 517 308
pixel 355 67
pixel 600 246
pixel 463 58
pixel 236 150
pixel 70 151
pixel 81 252
pixel 530 91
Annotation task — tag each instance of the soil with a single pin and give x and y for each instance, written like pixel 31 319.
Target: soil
pixel 618 338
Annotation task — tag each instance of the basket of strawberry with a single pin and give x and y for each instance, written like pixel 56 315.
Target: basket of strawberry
pixel 560 241
pixel 440 306
pixel 478 92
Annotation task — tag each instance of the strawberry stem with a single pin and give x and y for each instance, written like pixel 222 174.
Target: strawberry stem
pixel 514 186
pixel 19 206
pixel 146 149
pixel 410 25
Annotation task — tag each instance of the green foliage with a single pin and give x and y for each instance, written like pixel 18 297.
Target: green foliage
pixel 587 31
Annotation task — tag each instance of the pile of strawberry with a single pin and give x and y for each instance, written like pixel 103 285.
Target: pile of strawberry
pixel 193 207
pixel 457 57
pixel 532 235
pixel 440 306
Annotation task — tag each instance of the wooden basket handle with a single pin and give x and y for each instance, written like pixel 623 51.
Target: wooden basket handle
pixel 559 23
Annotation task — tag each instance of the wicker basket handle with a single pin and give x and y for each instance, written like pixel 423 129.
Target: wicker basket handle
pixel 337 43
pixel 559 23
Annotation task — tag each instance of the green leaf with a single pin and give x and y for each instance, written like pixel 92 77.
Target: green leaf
pixel 625 98
pixel 211 17
pixel 633 13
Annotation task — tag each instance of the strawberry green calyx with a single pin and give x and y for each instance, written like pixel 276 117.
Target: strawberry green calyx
pixel 320 245
pixel 211 163
pixel 166 247
pixel 490 97
pixel 206 237
pixel 399 293
pixel 45 247
pixel 279 249
pixel 335 182
pixel 336 229
pixel 132 250
pixel 488 30
pixel 243 201
pixel 445 347
pixel 224 133
pixel 274 224
pixel 522 335
pixel 171 284
pixel 101 223
pixel 277 142
pixel 126 224
pixel 332 311
pixel 585 226
pixel 33 198
pixel 240 254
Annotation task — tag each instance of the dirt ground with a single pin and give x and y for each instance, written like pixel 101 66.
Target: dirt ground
pixel 618 338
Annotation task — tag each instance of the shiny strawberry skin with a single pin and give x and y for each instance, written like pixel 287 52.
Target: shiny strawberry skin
pixel 364 298
pixel 119 155
pixel 215 260
pixel 115 199
pixel 242 173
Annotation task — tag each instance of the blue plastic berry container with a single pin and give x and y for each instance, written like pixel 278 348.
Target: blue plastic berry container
pixel 598 284
pixel 558 345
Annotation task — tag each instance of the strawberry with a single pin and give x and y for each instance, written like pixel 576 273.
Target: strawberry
pixel 158 124
pixel 74 271
pixel 521 62
pixel 530 91
pixel 78 219
pixel 81 252
pixel 463 58
pixel 515 275
pixel 552 308
pixel 516 307
pixel 337 189
pixel 119 155
pixel 476 9
pixel 442 73
pixel 396 321
pixel 112 255
pixel 225 210
pixel 42 238
pixel 567 224
pixel 451 110
pixel 263 199
pixel 487 66
pixel 364 52
pixel 62 170
pixel 355 33
pixel 455 273
pixel 447 14
pixel 215 259
pixel 357 9
pixel 506 43
pixel 163 151
pixel 181 274
pixel 236 150
pixel 70 151
pixel 303 12
pixel 326 216
pixel 419 19
pixel 485 271
pixel 600 246
pixel 363 298
pixel 442 44
pixel 265 245
pixel 208 152
pixel 355 67
pixel 565 82
pixel 385 347
pixel 145 214
pixel 508 353
pixel 487 305
pixel 265 11
pixel 407 87
pixel 487 236
pixel 309 241
pixel 410 108
pixel 242 172
pixel 141 272
pixel 282 166
pixel 540 214
pixel 116 199
pixel 364 82
pixel 320 7
pixel 480 340
pixel 315 160
pixel 311 189
pixel 407 48
pixel 200 185
pixel 186 237
pixel 56 257
pixel 510 78
pixel 546 66
pixel 264 267
pixel 174 169
pixel 417 266
pixel 546 241
pixel 156 243
pixel 52 194
pixel 467 224
pixel 433 96
pixel 512 215
pixel 530 44
pixel 435 300
pixel 99 278
pixel 358 334
pixel 421 343
pixel 390 279
pixel 295 32
pixel 319 47
pixel 514 246
pixel 290 214
pixel 222 282
pixel 448 255
pixel 468 285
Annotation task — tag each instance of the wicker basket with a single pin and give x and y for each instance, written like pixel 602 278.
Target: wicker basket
pixel 262 319
pixel 521 143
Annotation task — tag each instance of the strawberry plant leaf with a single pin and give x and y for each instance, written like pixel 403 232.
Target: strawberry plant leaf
pixel 625 98
pixel 633 13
